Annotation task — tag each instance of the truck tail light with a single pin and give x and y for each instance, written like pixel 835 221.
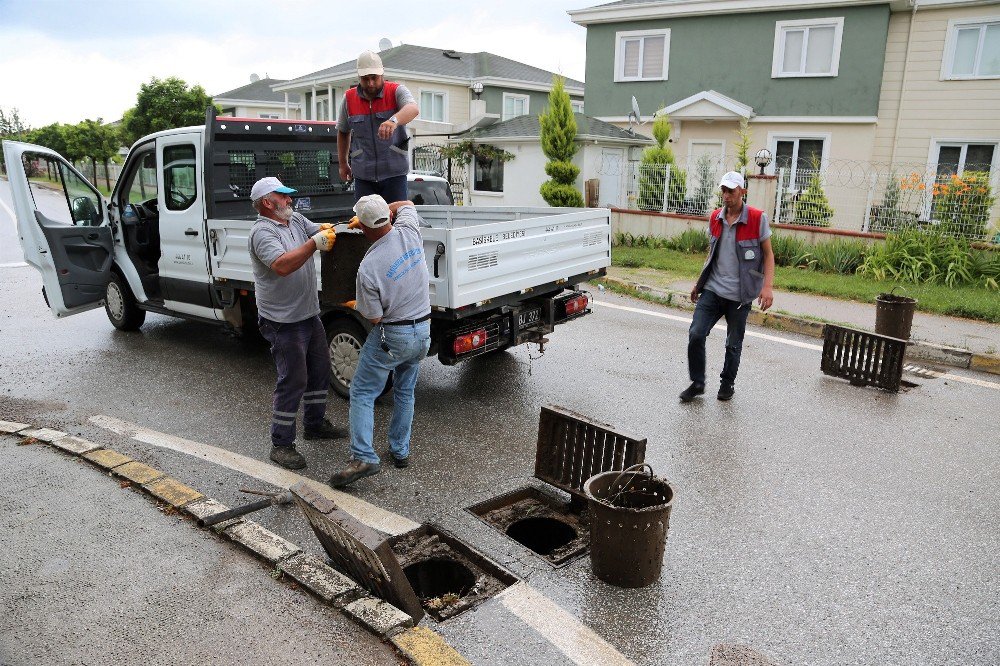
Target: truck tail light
pixel 576 305
pixel 469 342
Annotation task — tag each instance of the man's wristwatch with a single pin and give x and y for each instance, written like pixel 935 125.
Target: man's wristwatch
pixel 394 121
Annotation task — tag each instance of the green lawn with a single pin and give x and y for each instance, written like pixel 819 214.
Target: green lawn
pixel 968 302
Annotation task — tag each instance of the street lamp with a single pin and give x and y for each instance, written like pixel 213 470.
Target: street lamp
pixel 477 88
pixel 762 159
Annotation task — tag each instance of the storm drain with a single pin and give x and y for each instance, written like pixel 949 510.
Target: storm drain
pixel 571 448
pixel 424 570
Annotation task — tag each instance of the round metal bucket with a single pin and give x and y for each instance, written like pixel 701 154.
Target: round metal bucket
pixel 894 315
pixel 629 517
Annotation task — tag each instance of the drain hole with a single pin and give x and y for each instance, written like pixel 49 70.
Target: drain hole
pixel 542 535
pixel 436 578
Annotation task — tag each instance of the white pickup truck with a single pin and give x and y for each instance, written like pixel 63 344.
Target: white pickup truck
pixel 172 239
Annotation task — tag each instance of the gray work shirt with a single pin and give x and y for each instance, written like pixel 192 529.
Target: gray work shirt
pixel 393 282
pixel 294 297
pixel 403 97
pixel 724 280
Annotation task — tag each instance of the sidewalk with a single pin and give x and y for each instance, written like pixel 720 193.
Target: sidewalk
pixel 964 343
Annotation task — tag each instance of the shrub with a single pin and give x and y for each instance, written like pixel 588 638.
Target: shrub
pixel 963 204
pixel 561 194
pixel 839 256
pixel 917 256
pixel 791 251
pixel 812 207
pixel 692 241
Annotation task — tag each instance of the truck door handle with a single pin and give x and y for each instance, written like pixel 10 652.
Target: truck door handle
pixel 190 232
pixel 92 236
pixel 438 253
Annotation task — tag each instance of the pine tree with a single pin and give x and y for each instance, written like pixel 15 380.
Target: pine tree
pixel 558 135
pixel 656 162
pixel 812 207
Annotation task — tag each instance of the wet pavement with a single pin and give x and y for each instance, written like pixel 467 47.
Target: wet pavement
pixel 814 521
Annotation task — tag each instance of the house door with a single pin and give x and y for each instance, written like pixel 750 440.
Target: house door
pixel 611 177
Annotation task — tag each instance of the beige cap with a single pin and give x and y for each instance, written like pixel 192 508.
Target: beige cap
pixel 369 63
pixel 373 211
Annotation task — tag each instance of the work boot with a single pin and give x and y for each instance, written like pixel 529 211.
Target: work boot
pixel 400 463
pixel 356 469
pixel 325 430
pixel 726 392
pixel 689 394
pixel 288 457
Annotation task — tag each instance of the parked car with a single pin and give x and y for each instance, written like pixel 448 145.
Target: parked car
pixel 428 189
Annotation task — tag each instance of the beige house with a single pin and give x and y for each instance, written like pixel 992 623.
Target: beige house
pixel 257 99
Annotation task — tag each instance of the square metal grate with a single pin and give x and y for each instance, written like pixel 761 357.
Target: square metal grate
pixel 358 550
pixel 572 448
pixel 865 359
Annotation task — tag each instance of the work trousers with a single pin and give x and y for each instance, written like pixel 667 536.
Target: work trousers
pixel 302 358
pixel 390 189
pixel 708 311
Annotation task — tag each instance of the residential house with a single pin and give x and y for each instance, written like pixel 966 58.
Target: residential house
pixel 444 83
pixel 517 182
pixel 851 85
pixel 257 99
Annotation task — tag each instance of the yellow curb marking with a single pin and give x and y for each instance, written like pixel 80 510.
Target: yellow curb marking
pixel 106 458
pixel 138 472
pixel 426 648
pixel 173 492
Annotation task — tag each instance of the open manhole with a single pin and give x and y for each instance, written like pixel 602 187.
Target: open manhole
pixel 447 575
pixel 543 524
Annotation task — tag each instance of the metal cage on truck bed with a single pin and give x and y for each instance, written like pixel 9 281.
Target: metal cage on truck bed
pixel 303 155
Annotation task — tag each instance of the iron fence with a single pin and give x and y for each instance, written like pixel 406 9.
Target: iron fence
pixel 842 194
pixel 427 159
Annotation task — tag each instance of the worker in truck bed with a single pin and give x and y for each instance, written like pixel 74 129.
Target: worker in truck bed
pixel 392 293
pixel 372 142
pixel 282 244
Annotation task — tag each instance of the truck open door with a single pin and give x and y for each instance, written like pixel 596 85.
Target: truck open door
pixel 63 225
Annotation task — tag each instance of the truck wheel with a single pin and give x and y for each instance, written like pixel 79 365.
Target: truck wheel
pixel 120 305
pixel 345 338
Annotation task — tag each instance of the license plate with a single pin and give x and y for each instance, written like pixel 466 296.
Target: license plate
pixel 528 317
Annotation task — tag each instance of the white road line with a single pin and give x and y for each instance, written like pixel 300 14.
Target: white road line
pixel 369 514
pixel 14 264
pixel 785 341
pixel 9 211
pixel 565 632
pixel 720 325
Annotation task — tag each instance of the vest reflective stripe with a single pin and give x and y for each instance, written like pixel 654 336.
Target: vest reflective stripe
pixel 372 158
pixel 751 270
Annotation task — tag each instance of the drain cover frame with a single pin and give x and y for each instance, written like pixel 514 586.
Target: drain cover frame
pixel 573 447
pixel 358 550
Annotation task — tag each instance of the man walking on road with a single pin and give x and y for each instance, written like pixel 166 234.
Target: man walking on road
pixel 372 142
pixel 282 244
pixel 392 293
pixel 739 268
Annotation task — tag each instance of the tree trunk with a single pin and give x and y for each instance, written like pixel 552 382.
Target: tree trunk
pixel 93 164
pixel 107 176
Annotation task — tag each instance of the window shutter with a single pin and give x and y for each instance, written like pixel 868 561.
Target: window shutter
pixel 652 58
pixel 630 62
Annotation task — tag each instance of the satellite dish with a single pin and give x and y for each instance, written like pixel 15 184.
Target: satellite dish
pixel 634 116
pixel 254 78
pixel 384 44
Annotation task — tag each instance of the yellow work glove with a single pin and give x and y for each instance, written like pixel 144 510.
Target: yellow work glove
pixel 325 226
pixel 354 223
pixel 350 304
pixel 325 240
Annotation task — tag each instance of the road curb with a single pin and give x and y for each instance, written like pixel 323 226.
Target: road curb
pixel 308 571
pixel 915 350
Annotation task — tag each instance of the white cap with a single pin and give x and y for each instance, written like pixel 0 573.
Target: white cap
pixel 265 186
pixel 373 211
pixel 732 180
pixel 369 63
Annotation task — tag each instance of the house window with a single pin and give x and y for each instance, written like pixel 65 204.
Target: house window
pixel 576 106
pixel 642 55
pixel 488 176
pixel 514 106
pixel 800 158
pixel 432 105
pixel 955 158
pixel 807 48
pixel 269 116
pixel 972 50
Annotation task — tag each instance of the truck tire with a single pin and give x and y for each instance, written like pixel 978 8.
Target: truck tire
pixel 120 305
pixel 346 337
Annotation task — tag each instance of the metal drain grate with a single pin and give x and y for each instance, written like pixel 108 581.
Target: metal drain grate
pixel 572 448
pixel 358 550
pixel 865 359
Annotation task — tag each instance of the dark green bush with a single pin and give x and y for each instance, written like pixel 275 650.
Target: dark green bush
pixel 839 256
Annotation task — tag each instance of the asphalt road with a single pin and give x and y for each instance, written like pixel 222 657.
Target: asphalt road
pixel 814 521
